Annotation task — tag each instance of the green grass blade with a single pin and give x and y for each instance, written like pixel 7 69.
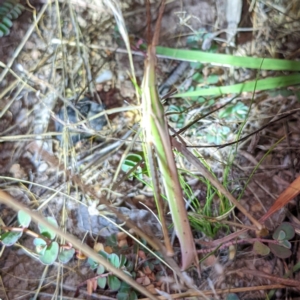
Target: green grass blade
pixel 249 86
pixel 230 60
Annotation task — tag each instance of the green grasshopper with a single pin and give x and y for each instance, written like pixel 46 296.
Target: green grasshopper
pixel 158 149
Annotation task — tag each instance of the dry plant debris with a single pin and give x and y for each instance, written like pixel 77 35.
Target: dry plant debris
pixel 54 56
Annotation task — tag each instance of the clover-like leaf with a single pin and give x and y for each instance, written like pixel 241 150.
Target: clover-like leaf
pixel 44 230
pixel 101 282
pixel 104 254
pixel 261 248
pixel 280 251
pixel 40 245
pixel 113 282
pixel 93 264
pixel 24 218
pixel 129 266
pixel 114 260
pixel 281 235
pixel 126 292
pixel 50 254
pixel 66 255
pixel 131 295
pixel 39 242
pixel 122 260
pixel 287 228
pixel 285 244
pixel 232 297
pixel 100 269
pixel 10 238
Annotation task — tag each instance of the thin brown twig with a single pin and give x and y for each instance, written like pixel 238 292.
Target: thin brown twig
pixel 224 291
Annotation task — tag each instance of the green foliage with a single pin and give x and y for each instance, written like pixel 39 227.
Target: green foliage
pixel 261 248
pixel 24 219
pixel 10 238
pixel 131 161
pixel 126 292
pixel 110 280
pixel 66 255
pixel 45 231
pixel 176 115
pixel 219 131
pixel 205 209
pixel 9 10
pixel 283 233
pixel 234 112
pixel 232 297
pixel 49 255
pixel 45 245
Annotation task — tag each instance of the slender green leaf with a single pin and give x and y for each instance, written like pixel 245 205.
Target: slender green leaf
pixel 249 86
pixel 230 60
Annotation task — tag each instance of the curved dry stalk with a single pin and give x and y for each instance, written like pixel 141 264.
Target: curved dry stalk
pixel 157 138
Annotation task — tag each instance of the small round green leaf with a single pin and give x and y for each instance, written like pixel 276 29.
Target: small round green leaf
pixel 10 238
pixel 285 244
pixel 287 228
pixel 129 266
pixel 114 260
pixel 19 7
pixel 39 242
pixel 24 219
pixel 44 230
pixel 17 10
pixel 8 5
pixel 104 254
pixel 130 162
pixel 122 260
pixel 92 263
pixel 280 251
pixel 40 246
pixel 101 282
pixel 50 255
pixel 3 10
pixel 261 248
pixel 66 255
pixel 281 235
pixel 131 295
pixel 232 297
pixel 7 22
pixel 100 269
pixel 4 29
pixel 113 282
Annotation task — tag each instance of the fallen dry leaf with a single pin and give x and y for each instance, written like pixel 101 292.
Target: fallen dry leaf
pixel 285 197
